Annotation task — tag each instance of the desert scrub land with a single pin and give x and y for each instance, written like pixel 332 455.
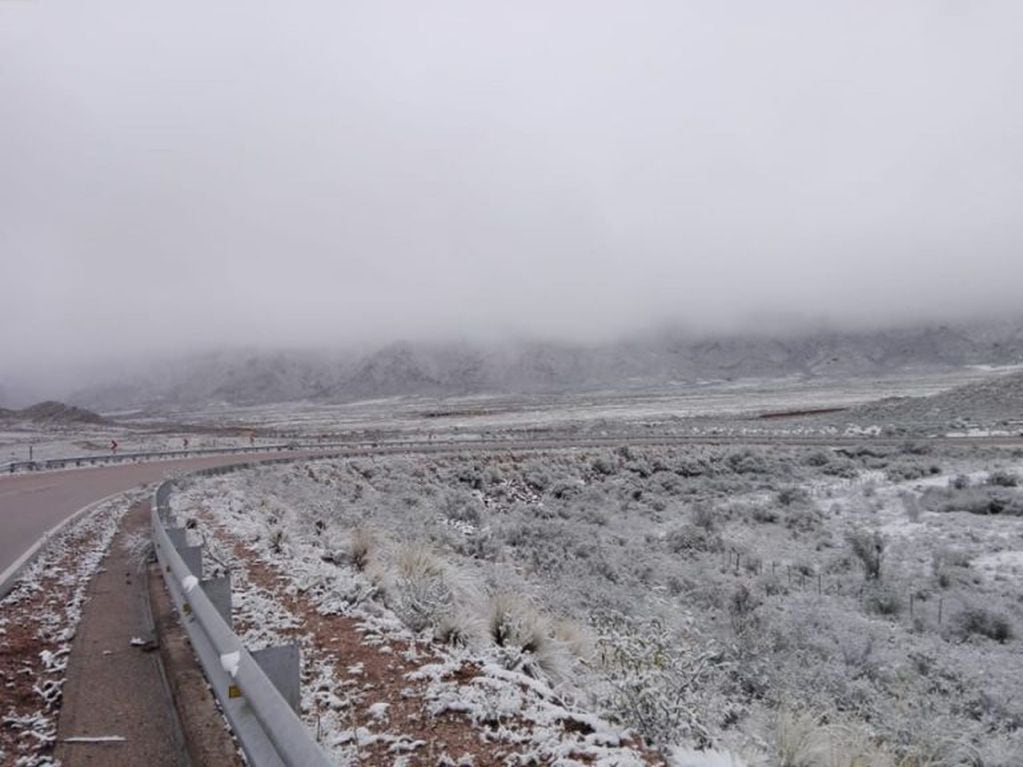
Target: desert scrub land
pixel 784 606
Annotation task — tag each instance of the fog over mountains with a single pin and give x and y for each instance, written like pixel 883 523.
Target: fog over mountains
pixel 665 358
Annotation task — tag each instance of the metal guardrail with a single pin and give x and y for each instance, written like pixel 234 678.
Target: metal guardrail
pixel 258 691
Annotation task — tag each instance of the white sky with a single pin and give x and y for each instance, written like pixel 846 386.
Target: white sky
pixel 184 174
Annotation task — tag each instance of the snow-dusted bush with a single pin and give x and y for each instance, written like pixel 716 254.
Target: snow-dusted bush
pixel 419 586
pixel 979 499
pixel 656 680
pixel 526 638
pixel 802 518
pixel 883 600
pixel 869 549
pixel 689 538
pixel 362 543
pixel 748 461
pixel 804 741
pixel 461 506
pixel 793 496
pixel 947 564
pixel 1002 478
pixel 983 621
pixel 513 623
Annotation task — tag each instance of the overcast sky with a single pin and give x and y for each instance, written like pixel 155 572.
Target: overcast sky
pixel 194 173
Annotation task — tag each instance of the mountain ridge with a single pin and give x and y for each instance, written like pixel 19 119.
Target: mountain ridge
pixel 252 377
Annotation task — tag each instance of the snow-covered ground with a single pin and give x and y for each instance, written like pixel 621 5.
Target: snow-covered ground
pixel 724 401
pixel 759 601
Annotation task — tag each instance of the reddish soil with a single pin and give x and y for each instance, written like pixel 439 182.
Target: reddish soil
pixel 384 676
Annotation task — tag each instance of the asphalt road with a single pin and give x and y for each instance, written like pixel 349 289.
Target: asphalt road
pixel 31 504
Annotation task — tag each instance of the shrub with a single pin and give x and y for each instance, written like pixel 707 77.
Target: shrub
pixel 1003 479
pixel 361 546
pixel 904 472
pixel 818 458
pixel 869 549
pixel 804 741
pixel 514 623
pixel 564 489
pixel 741 606
pixel 883 601
pixel 802 518
pixel 792 496
pixel 985 622
pixel 278 540
pixel 421 592
pixel 527 639
pixel 748 461
pixel 764 514
pixel 704 516
pixel 691 538
pixel 843 469
pixel 537 476
pixel 462 506
pixel 640 467
pixel 974 500
pixel 456 628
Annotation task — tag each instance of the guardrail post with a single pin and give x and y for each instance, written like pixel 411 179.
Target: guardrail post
pixel 219 592
pixel 282 665
pixel 178 537
pixel 262 706
pixel 192 557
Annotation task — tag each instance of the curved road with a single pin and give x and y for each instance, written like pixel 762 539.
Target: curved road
pixel 31 504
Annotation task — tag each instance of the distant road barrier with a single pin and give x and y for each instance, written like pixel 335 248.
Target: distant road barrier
pixel 149 455
pixel 477 442
pixel 258 691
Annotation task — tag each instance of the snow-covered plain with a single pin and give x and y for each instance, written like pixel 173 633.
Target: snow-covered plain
pixel 775 604
pixel 718 403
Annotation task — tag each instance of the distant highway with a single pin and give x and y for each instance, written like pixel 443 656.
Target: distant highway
pixel 32 503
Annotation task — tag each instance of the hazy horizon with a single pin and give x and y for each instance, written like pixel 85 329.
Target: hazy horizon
pixel 185 178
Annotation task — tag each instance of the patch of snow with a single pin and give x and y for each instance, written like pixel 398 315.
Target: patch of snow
pixel 230 661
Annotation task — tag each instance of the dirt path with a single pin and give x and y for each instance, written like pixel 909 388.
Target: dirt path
pixel 114 686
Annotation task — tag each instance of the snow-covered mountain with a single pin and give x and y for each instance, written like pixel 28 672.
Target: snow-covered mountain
pixel 651 360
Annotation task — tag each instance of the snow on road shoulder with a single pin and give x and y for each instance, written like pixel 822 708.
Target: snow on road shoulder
pixel 38 620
